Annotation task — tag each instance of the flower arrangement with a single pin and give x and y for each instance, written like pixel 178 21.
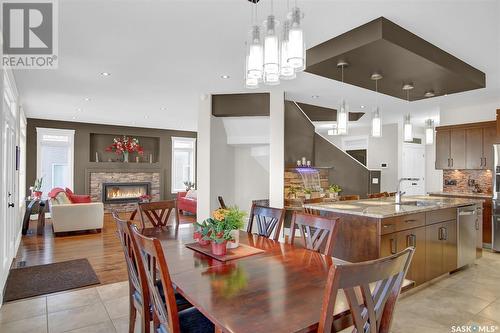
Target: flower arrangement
pixel 189 185
pixel 36 189
pixel 145 198
pixel 124 145
pixel 221 226
pixel 202 233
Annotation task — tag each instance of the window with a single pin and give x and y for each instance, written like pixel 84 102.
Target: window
pixel 183 162
pixel 55 158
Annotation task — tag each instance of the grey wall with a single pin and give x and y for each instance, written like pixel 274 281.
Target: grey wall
pixel 299 135
pixel 82 150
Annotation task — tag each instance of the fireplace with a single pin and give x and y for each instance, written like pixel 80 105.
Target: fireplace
pixel 124 192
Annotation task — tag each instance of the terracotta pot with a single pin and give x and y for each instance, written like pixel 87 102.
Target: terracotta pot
pixel 219 249
pixel 37 194
pixel 196 235
pixel 203 242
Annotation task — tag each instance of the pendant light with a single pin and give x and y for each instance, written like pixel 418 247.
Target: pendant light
pixel 407 125
pixel 297 49
pixel 333 130
pixel 287 72
pixel 343 111
pixel 271 50
pixel 254 58
pixel 376 121
pixel 429 131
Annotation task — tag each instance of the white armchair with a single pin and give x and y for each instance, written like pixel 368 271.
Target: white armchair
pixel 76 217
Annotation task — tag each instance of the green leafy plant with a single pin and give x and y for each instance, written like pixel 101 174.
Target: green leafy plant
pixel 37 186
pixel 189 185
pixel 203 228
pixel 293 190
pixel 308 191
pixel 334 188
pixel 222 222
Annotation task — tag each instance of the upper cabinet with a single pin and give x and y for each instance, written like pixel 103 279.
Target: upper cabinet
pixel 467 146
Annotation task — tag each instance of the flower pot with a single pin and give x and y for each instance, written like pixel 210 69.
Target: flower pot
pixel 219 249
pixel 37 194
pixel 332 195
pixel 307 196
pixel 196 235
pixel 203 242
pixel 125 156
pixel 236 240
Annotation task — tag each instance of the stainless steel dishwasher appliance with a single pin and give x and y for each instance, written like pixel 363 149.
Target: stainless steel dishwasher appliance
pixel 466 235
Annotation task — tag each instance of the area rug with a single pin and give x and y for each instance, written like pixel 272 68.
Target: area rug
pixel 45 279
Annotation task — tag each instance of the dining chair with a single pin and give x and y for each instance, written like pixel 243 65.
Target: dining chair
pixel 318 233
pixel 371 309
pixel 312 210
pixel 158 213
pixel 268 219
pixel 166 315
pixel 378 195
pixel 222 204
pixel 349 197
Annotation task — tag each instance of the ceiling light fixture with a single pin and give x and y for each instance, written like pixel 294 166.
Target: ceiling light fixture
pixel 87 99
pixel 224 77
pixel 362 106
pixel 343 111
pixel 79 109
pixel 105 74
pixel 287 71
pixel 297 49
pixel 429 93
pixel 376 121
pixel 407 125
pixel 429 131
pixel 315 96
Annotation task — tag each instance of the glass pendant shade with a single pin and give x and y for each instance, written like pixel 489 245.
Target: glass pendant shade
pixel 343 118
pixel 255 55
pixel 296 51
pixel 287 71
pixel 376 124
pixel 407 129
pixel 271 52
pixel 429 131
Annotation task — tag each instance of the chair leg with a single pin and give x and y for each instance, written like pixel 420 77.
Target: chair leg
pixel 145 320
pixel 132 317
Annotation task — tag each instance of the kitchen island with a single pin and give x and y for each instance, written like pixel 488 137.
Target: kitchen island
pixel 375 228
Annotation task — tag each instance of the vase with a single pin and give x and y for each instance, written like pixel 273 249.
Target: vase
pixel 37 194
pixel 236 240
pixel 307 196
pixel 125 156
pixel 219 249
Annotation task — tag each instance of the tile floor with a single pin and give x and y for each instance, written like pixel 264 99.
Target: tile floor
pixel 468 297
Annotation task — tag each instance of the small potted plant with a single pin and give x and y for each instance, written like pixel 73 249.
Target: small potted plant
pixel 222 224
pixel 234 221
pixel 36 189
pixel 189 185
pixel 307 193
pixel 333 191
pixel 292 191
pixel 202 233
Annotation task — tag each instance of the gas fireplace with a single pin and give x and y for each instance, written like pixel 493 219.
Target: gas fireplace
pixel 124 192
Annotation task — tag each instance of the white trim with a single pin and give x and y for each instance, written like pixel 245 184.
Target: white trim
pixel 192 170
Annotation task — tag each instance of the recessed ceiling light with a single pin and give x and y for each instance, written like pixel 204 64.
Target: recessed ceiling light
pixel 315 96
pixel 429 93
pixel 87 99
pixel 146 117
pixel 79 109
pixel 105 74
pixel 224 76
pixel 362 106
pixel 163 108
pixel 73 117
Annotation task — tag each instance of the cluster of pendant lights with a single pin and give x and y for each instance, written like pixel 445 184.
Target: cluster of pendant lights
pixel 277 56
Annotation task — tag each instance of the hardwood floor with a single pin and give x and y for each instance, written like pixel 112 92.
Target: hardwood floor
pixel 103 250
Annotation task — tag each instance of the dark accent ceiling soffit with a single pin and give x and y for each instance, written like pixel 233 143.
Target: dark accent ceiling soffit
pixel 319 113
pixel 240 105
pixel 400 56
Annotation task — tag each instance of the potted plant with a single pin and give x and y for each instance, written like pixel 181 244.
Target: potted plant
pixel 334 190
pixel 292 191
pixel 125 145
pixel 202 233
pixel 36 189
pixel 189 185
pixel 235 221
pixel 222 224
pixel 307 193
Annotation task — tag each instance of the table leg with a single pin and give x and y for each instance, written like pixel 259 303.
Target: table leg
pixel 41 218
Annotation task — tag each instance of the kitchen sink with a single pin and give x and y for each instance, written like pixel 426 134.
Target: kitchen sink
pixel 419 203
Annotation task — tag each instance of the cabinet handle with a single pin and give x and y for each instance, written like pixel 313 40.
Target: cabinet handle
pixel 484 162
pixel 449 162
pixel 411 240
pixel 386 225
pixel 440 233
pixel 445 233
pixel 410 221
pixel 477 224
pixel 393 246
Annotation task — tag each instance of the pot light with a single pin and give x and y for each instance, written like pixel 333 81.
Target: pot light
pixel 362 106
pixel 79 109
pixel 87 99
pixel 315 96
pixel 429 93
pixel 407 129
pixel 429 131
pixel 105 74
pixel 73 118
pixel 225 77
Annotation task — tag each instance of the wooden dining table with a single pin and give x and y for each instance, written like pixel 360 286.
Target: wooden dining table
pixel 279 290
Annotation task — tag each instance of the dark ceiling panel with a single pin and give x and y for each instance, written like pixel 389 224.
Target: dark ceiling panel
pixel 319 113
pixel 402 57
pixel 240 105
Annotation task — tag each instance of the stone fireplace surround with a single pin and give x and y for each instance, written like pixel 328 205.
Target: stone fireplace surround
pixel 97 177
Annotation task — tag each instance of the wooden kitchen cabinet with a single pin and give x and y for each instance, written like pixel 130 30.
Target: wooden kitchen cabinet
pixel 441 248
pixel 457 149
pixel 489 139
pixel 450 251
pixel 474 140
pixel 443 149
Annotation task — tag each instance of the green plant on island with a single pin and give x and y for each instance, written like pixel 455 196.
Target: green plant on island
pixel 308 191
pixel 334 188
pixel 293 190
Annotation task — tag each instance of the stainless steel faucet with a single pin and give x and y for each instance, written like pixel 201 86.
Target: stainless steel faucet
pixel 399 194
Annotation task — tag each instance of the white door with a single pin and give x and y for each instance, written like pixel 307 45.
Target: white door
pixel 413 167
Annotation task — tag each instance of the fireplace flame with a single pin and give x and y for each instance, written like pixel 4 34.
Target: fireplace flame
pixel 125 193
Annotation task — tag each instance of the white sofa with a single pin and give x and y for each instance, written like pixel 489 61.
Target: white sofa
pixel 76 217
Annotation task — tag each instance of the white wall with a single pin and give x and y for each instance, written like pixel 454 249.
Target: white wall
pixel 203 157
pixel 453 115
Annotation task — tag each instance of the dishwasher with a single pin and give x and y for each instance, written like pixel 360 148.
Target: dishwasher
pixel 466 235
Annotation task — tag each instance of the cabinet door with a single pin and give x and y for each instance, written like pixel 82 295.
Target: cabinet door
pixel 388 245
pixel 416 238
pixel 433 251
pixel 474 140
pixel 489 138
pixel 457 148
pixel 449 241
pixel 487 221
pixel 443 149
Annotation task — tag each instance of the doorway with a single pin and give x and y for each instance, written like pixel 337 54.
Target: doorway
pixel 413 166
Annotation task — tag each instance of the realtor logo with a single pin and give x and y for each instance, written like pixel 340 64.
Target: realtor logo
pixel 29 34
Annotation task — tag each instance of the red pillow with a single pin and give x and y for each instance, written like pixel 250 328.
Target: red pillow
pixel 79 198
pixel 68 191
pixel 54 192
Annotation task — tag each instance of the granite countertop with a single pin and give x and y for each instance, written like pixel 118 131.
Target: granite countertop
pixel 463 194
pixel 385 207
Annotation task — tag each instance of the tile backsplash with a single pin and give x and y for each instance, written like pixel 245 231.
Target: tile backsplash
pixel 482 179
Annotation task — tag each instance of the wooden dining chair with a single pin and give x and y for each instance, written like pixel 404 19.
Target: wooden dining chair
pixel 138 285
pixel 166 316
pixel 349 197
pixel 318 233
pixel 378 195
pixel 312 210
pixel 158 213
pixel 222 204
pixel 268 219
pixel 371 311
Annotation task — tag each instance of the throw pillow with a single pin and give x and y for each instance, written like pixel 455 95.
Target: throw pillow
pixel 68 191
pixel 62 198
pixel 191 194
pixel 76 198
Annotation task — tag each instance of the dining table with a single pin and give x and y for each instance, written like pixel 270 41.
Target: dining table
pixel 278 290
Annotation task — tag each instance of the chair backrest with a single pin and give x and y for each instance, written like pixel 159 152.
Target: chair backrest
pixel 312 210
pixel 349 197
pixel 158 213
pixel 165 314
pixel 371 311
pixel 378 195
pixel 136 275
pixel 318 233
pixel 222 204
pixel 268 219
